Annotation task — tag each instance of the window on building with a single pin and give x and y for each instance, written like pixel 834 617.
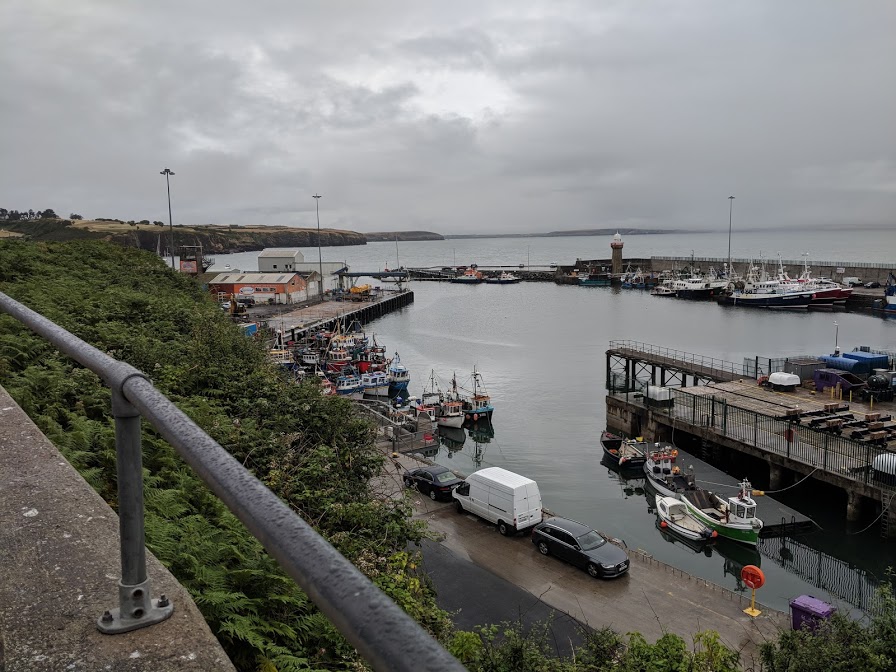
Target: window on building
pixel 275 265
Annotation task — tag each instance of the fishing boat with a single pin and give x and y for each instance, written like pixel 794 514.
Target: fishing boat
pixel 623 452
pixel 664 476
pixel 419 409
pixel 674 516
pixel 375 383
pixel 338 360
pixel 586 279
pixel 504 278
pixel 399 377
pixel 888 305
pixel 470 277
pixel 663 290
pixel 733 518
pixel 450 413
pixel 478 405
pixel 349 386
pixel 448 407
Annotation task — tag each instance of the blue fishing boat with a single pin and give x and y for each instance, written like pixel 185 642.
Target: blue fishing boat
pixel 399 377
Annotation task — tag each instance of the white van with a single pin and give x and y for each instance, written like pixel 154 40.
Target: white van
pixel 509 500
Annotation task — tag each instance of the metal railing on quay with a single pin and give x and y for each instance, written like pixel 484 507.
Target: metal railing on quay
pixel 812 447
pixel 376 626
pixel 710 363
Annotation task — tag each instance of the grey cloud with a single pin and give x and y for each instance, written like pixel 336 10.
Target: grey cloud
pixel 527 117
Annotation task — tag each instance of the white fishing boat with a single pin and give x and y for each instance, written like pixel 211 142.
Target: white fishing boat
pixel 675 517
pixel 448 407
pixel 349 386
pixel 375 383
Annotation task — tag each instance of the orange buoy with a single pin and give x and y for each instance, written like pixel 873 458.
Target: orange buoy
pixel 715 533
pixel 663 524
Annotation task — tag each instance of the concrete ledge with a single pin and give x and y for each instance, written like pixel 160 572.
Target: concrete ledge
pixel 59 570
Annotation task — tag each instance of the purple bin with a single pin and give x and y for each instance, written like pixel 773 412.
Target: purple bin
pixel 807 612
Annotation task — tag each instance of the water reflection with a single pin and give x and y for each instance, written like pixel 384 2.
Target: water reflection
pixel 482 433
pixel 452 438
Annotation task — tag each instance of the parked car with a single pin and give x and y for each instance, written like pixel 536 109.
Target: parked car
pixel 509 500
pixel 872 285
pixel 225 305
pixel 581 546
pixel 434 481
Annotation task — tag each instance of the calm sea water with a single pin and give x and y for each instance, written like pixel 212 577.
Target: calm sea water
pixel 541 350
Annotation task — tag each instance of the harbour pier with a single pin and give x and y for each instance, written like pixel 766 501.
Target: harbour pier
pixel 298 323
pixel 726 415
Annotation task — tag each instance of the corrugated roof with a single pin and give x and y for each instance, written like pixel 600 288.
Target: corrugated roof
pixel 279 252
pixel 251 278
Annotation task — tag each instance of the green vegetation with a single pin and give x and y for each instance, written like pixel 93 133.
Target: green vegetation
pixel 313 451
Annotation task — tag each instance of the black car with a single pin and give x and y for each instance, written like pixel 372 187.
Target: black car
pixel 435 481
pixel 581 546
pixel 872 285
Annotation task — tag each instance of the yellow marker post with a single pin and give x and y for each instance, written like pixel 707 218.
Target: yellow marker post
pixel 753 578
pixel 752 610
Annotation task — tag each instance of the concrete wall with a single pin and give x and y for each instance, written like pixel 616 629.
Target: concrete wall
pixel 830 269
pixel 59 570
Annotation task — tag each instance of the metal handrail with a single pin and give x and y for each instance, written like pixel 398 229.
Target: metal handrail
pixel 376 626
pixel 680 356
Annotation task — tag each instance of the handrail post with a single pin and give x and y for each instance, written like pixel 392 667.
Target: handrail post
pixel 136 609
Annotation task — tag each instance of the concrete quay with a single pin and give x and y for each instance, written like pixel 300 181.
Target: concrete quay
pixel 59 562
pixel 654 598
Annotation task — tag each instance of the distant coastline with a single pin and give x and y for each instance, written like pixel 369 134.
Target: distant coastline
pixel 574 232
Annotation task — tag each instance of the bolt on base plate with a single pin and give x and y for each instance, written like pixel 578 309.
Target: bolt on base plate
pixel 136 610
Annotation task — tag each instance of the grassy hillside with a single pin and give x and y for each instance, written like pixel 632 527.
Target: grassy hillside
pixel 213 238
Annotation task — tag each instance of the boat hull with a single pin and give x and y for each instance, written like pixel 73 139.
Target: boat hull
pixel 455 421
pixel 741 533
pixel 775 301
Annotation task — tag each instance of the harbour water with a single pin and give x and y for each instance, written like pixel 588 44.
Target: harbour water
pixel 540 348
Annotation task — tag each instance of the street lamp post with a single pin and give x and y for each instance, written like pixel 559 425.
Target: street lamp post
pixel 167 173
pixel 320 259
pixel 730 211
pixel 836 339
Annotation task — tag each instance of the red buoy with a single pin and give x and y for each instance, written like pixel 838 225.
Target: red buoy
pixel 663 524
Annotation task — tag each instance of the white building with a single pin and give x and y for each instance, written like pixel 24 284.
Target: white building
pixel 279 259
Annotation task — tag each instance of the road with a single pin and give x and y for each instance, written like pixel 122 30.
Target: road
pixel 654 598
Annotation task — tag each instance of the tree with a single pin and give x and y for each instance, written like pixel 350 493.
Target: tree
pixel 48 214
pixel 75 216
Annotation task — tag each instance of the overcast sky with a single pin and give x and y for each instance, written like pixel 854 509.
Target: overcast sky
pixel 455 117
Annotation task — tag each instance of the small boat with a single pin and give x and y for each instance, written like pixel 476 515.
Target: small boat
pixel 470 277
pixel 326 386
pixel 663 290
pixel 420 409
pixel 349 386
pixel 664 476
pixel 622 452
pixel 593 279
pixel 281 357
pixel 504 278
pixel 399 376
pixel 450 413
pixel 477 406
pixel 733 518
pixel 674 516
pixel 338 360
pixel 375 383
